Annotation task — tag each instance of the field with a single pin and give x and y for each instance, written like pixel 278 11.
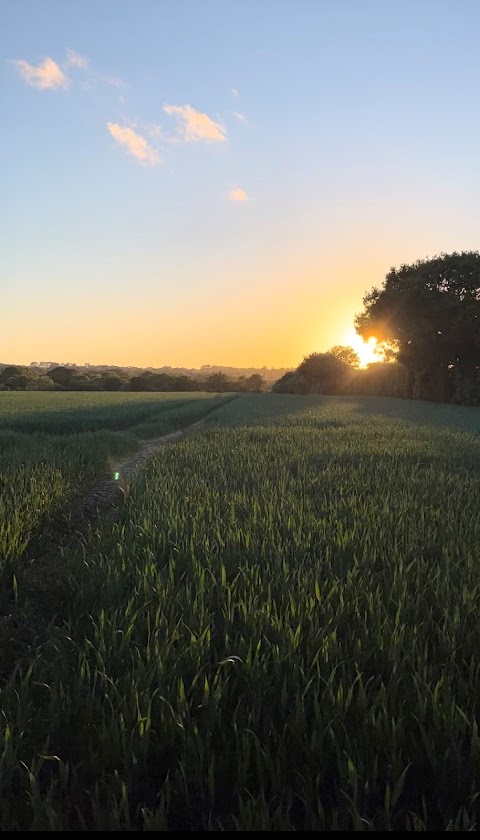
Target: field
pixel 278 630
pixel 51 445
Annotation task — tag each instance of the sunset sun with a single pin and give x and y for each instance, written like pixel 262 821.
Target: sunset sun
pixel 365 350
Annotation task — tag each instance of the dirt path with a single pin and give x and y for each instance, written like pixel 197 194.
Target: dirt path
pixel 106 490
pixel 42 571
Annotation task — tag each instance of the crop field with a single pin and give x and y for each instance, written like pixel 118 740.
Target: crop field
pixel 279 631
pixel 52 444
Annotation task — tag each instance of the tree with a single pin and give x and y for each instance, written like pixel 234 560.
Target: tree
pixel 218 382
pixel 241 384
pixel 324 373
pixel 18 382
pixel 40 383
pixel 185 383
pixel 17 377
pixel 429 312
pixel 11 370
pixel 62 375
pixel 141 383
pixel 291 383
pixel 346 355
pixel 112 383
pixel 255 383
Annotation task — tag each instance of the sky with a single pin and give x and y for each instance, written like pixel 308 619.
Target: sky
pixel 190 182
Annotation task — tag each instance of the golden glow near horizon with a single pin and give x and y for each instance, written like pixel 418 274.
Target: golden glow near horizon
pixel 366 350
pixel 205 215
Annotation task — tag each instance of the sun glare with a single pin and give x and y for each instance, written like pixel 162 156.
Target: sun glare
pixel 366 350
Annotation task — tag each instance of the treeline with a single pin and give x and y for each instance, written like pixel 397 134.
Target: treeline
pixel 426 319
pixel 62 378
pixel 317 374
pixel 269 375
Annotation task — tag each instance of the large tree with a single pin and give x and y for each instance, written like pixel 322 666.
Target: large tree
pixel 324 373
pixel 255 383
pixel 218 382
pixel 62 375
pixel 430 313
pixel 345 354
pixel 291 382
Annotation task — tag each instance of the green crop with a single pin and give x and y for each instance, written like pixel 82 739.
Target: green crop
pixel 279 632
pixel 52 445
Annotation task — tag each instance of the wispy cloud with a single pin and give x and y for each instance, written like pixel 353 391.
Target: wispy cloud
pixel 234 91
pixel 194 125
pixel 239 117
pixel 237 194
pixel 134 143
pixel 113 81
pixel 74 59
pixel 44 76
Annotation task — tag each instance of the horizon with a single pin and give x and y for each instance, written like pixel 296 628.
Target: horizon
pixel 87 365
pixel 185 180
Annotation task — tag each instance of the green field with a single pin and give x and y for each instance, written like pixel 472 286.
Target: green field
pixel 52 445
pixel 280 631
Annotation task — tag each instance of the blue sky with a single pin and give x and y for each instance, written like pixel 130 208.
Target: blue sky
pixel 220 181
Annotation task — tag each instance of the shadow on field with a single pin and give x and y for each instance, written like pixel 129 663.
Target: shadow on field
pixel 285 407
pixel 116 417
pixel 455 418
pixel 280 409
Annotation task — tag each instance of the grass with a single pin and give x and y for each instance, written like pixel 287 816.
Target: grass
pixel 52 445
pixel 75 412
pixel 280 632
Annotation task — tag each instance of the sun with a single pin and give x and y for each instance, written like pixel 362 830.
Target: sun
pixel 365 350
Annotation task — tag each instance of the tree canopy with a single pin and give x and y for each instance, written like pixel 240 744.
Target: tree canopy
pixel 346 355
pixel 429 312
pixel 325 373
pixel 61 377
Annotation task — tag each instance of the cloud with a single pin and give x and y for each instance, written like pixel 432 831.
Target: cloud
pixel 239 117
pixel 45 76
pixel 74 59
pixel 234 91
pixel 194 125
pixel 237 194
pixel 134 143
pixel 113 81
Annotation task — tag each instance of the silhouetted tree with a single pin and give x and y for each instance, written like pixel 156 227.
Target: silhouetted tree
pixel 112 383
pixel 241 384
pixel 141 383
pixel 11 370
pixel 324 373
pixel 18 383
pixel 346 355
pixel 62 375
pixel 429 312
pixel 218 382
pixel 255 383
pixel 291 383
pixel 40 383
pixel 17 377
pixel 185 383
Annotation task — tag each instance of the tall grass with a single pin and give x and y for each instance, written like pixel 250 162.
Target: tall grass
pixel 279 633
pixel 51 445
pixel 75 412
